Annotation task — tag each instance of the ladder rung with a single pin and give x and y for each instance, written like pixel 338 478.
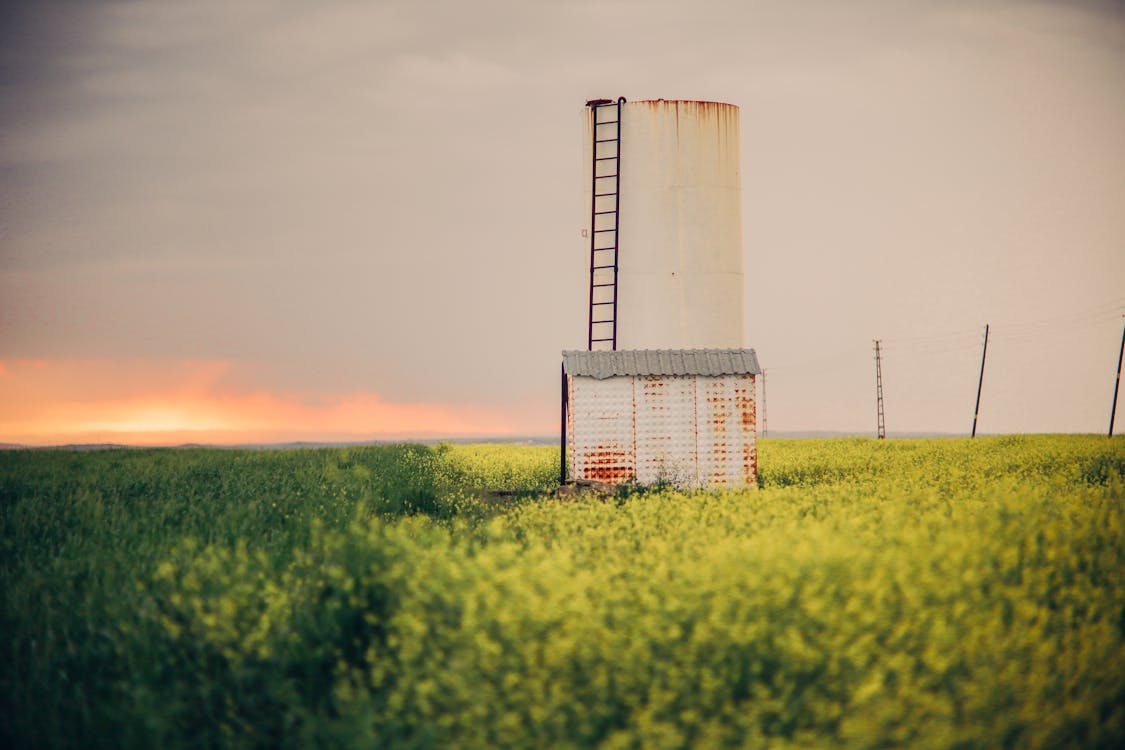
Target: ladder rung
pixel 605 195
pixel 598 231
pixel 606 158
pixel 609 284
pixel 606 140
pixel 603 213
pixel 604 176
pixel 595 304
pixel 608 122
pixel 600 268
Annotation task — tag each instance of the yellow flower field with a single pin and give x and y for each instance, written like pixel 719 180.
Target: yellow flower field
pixel 935 593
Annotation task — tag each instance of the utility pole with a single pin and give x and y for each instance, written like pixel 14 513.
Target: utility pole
pixel 976 409
pixel 882 427
pixel 1117 383
pixel 765 422
pixel 562 429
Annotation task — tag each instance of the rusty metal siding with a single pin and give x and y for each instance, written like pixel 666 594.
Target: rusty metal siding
pixel 690 431
pixel 666 434
pixel 601 430
pixel 726 418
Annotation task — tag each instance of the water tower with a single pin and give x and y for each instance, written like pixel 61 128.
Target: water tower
pixel 665 389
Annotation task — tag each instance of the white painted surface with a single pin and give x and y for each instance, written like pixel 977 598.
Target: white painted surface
pixel 726 416
pixel 680 236
pixel 666 433
pixel 600 427
pixel 689 431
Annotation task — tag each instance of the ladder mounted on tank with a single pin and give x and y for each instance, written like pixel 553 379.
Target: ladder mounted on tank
pixel 605 183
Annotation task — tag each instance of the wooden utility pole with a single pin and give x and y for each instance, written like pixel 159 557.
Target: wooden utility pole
pixel 976 409
pixel 1117 382
pixel 765 422
pixel 881 424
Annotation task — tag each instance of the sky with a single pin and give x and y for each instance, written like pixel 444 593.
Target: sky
pixel 278 220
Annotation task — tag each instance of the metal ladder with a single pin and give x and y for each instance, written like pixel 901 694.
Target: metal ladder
pixel 605 184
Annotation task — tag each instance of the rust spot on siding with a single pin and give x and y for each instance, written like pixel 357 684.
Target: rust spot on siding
pixel 608 464
pixel 750 464
pixel 745 408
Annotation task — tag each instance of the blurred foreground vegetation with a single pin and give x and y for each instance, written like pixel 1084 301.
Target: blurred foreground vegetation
pixel 902 593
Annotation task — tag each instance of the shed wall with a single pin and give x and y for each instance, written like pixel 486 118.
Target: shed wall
pixel 667 449
pixel 727 422
pixel 600 427
pixel 686 430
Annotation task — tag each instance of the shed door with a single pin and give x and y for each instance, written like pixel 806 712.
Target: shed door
pixel 600 423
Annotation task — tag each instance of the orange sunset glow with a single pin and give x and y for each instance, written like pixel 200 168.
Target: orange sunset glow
pixel 170 403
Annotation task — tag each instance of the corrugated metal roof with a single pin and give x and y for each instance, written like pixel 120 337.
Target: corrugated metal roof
pixel 602 365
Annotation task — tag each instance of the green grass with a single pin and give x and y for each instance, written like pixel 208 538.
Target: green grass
pixel 903 593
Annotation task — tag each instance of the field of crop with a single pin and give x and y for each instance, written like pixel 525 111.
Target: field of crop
pixel 871 594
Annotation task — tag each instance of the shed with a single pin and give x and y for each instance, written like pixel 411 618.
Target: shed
pixel 686 417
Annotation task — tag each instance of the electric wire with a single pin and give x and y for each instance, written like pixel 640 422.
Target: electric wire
pixel 954 342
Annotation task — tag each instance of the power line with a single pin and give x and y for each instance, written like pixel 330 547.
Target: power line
pixel 953 344
pixel 1109 310
pixel 934 350
pixel 933 338
pixel 1102 312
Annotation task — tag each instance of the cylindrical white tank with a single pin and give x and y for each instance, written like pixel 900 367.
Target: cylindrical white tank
pixel 678 219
